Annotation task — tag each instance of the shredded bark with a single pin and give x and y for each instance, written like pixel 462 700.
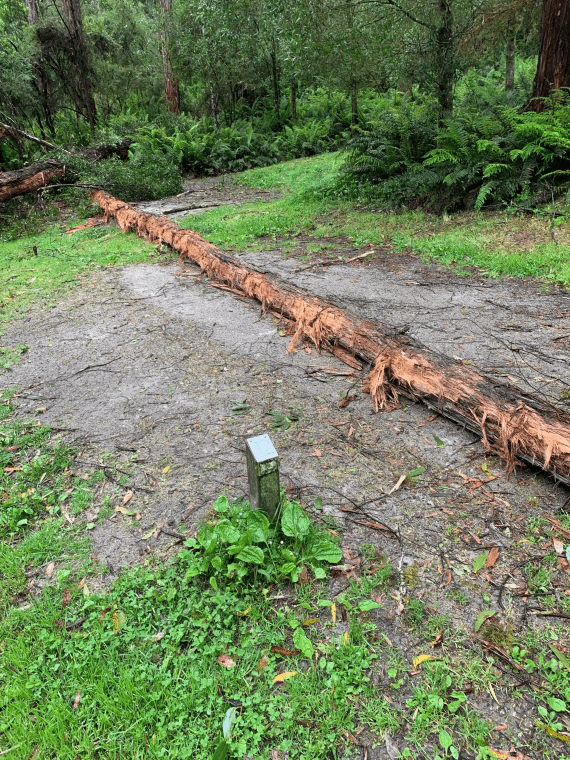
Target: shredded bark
pixel 512 424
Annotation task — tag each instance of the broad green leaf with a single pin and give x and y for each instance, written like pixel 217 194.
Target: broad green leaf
pixel 479 561
pixel 303 644
pixel 367 604
pixel 217 562
pixel 251 554
pixel 213 583
pixel 556 704
pixel 192 572
pixel 482 616
pixel 226 532
pixel 221 752
pixel 258 523
pixel 319 572
pixel 326 551
pixel 294 522
pixel 445 739
pixel 222 504
pixel 439 443
pixel 416 472
pixel 288 568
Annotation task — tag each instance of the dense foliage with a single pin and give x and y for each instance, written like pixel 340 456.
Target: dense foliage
pixel 482 156
pixel 430 97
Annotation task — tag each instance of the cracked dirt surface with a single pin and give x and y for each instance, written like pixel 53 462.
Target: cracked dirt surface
pixel 141 368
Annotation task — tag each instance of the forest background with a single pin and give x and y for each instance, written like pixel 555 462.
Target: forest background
pixel 442 104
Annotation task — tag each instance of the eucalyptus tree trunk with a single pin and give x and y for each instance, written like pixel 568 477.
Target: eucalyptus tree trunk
pixel 294 100
pixel 353 101
pixel 171 86
pixel 41 83
pixel 81 71
pixel 275 74
pixel 553 70
pixel 445 60
pixel 510 64
pixel 32 9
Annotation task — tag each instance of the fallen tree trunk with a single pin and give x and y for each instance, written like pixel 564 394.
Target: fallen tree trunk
pixel 28 179
pixel 39 175
pixel 512 424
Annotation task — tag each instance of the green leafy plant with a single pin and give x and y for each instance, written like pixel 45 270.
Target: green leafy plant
pixel 241 543
pixel 283 421
pixel 240 407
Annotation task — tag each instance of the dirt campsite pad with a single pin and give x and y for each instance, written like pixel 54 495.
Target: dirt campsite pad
pixel 157 377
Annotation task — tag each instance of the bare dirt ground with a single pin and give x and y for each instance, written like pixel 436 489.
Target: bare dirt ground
pixel 141 368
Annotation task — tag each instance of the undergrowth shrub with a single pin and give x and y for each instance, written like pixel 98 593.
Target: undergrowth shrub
pixel 149 173
pixel 240 543
pixel 477 159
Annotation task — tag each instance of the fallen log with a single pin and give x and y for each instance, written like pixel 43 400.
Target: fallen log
pixel 36 176
pixel 29 178
pixel 512 424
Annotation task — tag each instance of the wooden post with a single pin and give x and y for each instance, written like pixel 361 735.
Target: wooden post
pixel 263 475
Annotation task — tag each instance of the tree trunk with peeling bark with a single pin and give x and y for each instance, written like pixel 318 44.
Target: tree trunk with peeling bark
pixel 171 86
pixel 28 179
pixel 445 57
pixel 83 84
pixel 553 70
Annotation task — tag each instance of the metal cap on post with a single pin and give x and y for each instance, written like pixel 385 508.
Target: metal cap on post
pixel 263 474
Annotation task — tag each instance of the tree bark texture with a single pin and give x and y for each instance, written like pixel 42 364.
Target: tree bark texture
pixel 353 101
pixel 553 70
pixel 32 9
pixel 42 82
pixel 171 86
pixel 71 10
pixel 36 176
pixel 510 64
pixel 28 179
pixel 294 100
pixel 512 424
pixel 445 55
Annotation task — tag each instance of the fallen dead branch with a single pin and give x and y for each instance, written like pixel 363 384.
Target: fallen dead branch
pixel 36 176
pixel 28 179
pixel 512 424
pixel 335 261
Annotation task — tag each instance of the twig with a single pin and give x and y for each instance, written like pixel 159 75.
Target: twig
pixel 334 261
pixel 32 138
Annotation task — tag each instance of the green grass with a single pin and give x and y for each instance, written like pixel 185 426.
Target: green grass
pixel 61 259
pixel 135 671
pixel 156 665
pixel 496 244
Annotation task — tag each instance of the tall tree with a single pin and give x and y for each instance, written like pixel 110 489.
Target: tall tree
pixel 171 86
pixel 81 74
pixel 553 70
pixel 42 81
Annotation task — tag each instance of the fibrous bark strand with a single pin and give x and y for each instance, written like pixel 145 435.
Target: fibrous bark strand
pixel 512 424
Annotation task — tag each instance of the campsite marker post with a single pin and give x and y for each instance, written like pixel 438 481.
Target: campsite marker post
pixel 263 474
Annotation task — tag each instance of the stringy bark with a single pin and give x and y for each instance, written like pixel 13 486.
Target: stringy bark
pixel 512 424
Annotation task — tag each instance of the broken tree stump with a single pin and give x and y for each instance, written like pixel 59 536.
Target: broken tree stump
pixel 512 424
